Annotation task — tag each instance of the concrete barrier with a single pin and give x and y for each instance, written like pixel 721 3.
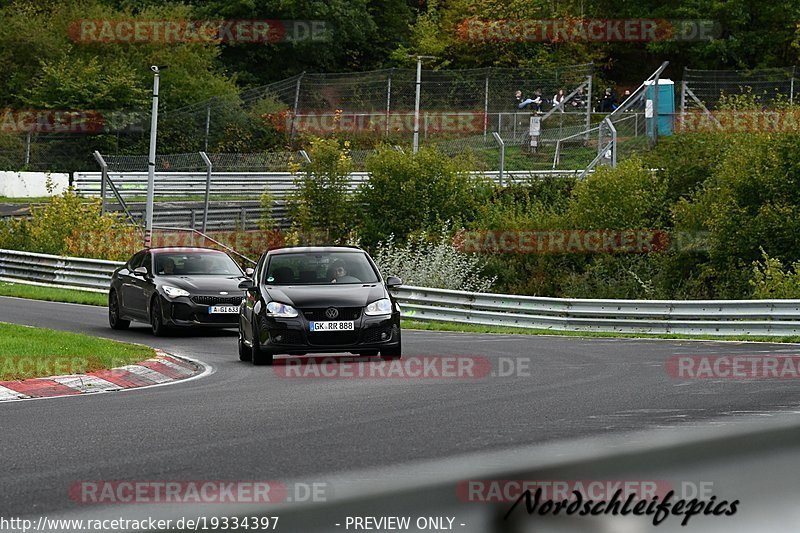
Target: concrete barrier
pixel 32 184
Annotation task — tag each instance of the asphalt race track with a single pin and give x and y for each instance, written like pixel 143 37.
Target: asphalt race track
pixel 245 422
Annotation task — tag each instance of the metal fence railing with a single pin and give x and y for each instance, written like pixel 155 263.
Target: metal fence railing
pixel 68 271
pixel 249 185
pixel 686 317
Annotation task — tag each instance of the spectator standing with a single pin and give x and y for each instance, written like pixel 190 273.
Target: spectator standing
pixel 608 102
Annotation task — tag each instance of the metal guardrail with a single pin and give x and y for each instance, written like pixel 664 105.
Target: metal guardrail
pixel 69 271
pixel 685 317
pixel 251 184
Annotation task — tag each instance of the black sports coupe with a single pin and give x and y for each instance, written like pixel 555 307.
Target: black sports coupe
pixel 168 287
pixel 318 300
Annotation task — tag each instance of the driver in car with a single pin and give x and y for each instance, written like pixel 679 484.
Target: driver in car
pixel 168 267
pixel 340 275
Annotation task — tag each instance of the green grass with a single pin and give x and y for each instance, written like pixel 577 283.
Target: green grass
pixel 32 200
pixel 27 352
pixel 52 294
pixel 479 328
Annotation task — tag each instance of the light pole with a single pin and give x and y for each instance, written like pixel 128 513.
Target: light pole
pixel 151 161
pixel 416 101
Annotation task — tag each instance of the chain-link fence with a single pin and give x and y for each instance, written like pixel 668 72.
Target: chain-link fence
pixel 710 89
pixel 367 108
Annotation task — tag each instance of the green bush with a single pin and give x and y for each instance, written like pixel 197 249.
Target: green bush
pixel 407 192
pixel 321 203
pixel 771 281
pixel 59 226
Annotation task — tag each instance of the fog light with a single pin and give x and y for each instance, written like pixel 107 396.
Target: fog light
pixel 278 338
pixel 384 336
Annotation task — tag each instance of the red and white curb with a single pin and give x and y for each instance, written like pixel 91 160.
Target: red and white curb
pixel 160 370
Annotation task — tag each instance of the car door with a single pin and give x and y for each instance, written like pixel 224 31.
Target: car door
pixel 127 285
pixel 141 288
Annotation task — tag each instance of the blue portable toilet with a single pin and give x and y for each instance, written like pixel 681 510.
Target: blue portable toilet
pixel 666 106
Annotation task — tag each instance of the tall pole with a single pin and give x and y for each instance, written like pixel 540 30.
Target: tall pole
pixel 486 103
pixel 208 122
pixel 657 89
pixel 416 101
pixel 388 99
pixel 416 104
pixel 151 161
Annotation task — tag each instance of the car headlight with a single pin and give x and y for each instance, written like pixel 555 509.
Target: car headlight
pixel 275 309
pixel 174 292
pixel 379 307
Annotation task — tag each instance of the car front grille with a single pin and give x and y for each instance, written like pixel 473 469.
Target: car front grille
pixel 217 300
pixel 345 313
pixel 333 338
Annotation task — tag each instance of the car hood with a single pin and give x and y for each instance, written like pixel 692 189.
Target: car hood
pixel 309 296
pixel 204 284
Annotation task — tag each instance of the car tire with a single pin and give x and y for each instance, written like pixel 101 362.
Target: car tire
pixel 393 352
pixel 260 356
pixel 156 318
pixel 245 353
pixel 113 313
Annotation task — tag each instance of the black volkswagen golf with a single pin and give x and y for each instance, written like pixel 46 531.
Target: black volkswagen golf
pixel 176 287
pixel 318 300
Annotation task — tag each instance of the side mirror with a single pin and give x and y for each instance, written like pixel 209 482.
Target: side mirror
pixel 247 285
pixel 249 272
pixel 393 281
pixel 140 271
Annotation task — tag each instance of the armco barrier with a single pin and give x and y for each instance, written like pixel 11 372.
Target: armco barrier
pixel 687 317
pixel 69 271
pixel 229 184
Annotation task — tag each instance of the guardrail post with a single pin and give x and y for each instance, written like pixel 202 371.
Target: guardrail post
pixel 193 218
pixel 244 218
pixel 209 166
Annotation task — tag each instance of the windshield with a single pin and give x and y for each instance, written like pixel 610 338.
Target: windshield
pixel 317 268
pixel 195 264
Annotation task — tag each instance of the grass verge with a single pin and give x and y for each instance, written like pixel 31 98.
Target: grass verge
pixel 479 328
pixel 52 294
pixel 27 352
